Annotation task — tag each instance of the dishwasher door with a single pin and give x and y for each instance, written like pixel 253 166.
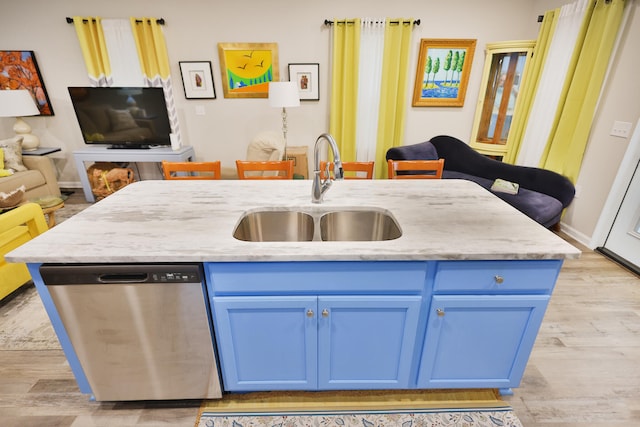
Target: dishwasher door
pixel 140 332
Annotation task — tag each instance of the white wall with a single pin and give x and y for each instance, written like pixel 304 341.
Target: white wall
pixel 194 27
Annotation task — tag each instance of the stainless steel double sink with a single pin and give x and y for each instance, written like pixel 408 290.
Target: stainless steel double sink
pixel 313 224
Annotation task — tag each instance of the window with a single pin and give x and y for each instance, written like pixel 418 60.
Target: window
pixel 504 73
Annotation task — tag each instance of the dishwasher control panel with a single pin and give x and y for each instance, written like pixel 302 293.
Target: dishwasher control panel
pixel 176 277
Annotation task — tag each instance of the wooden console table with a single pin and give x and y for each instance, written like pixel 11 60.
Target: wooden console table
pixel 105 154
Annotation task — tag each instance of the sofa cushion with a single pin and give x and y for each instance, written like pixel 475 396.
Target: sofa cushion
pixel 540 207
pixel 12 151
pixel 30 179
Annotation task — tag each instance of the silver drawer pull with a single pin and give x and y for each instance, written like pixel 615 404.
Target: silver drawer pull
pixel 309 313
pixel 498 279
pixel 440 312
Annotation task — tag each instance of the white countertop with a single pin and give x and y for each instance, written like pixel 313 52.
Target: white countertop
pixel 193 221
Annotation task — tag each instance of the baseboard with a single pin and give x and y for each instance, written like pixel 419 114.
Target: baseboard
pixel 69 184
pixel 575 234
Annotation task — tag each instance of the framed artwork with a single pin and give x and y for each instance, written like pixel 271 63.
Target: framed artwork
pixel 197 79
pixel 443 72
pixel 19 70
pixel 247 69
pixel 307 78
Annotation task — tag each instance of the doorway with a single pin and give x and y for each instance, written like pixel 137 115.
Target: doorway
pixel 622 242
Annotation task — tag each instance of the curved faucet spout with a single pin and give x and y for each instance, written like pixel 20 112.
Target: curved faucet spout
pixel 321 186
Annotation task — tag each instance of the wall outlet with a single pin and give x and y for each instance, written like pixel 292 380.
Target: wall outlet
pixel 621 129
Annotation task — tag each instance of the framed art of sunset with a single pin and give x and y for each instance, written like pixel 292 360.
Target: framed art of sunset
pixel 247 69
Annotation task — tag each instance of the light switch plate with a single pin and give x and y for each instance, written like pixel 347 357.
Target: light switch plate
pixel 200 110
pixel 621 129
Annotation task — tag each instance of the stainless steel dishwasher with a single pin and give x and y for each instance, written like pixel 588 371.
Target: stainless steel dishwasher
pixel 140 331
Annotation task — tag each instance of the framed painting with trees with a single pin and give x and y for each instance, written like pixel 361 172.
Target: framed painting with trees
pixel 19 70
pixel 443 72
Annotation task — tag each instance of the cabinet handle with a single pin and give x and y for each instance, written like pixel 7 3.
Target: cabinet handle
pixel 325 313
pixel 309 313
pixel 499 279
pixel 440 312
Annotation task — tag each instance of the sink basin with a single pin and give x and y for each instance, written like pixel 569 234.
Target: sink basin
pixel 358 225
pixel 275 226
pixel 352 225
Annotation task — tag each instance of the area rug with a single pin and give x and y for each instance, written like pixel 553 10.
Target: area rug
pixel 69 210
pixel 415 418
pixel 24 323
pixel 370 408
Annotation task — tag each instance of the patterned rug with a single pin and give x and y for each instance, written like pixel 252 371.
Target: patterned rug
pixel 69 210
pixel 416 418
pixel 24 323
pixel 370 408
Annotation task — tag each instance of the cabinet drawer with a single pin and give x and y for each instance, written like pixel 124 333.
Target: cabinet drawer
pixel 273 278
pixel 515 277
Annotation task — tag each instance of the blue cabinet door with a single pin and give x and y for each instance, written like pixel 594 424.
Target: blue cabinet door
pixel 366 342
pixel 479 341
pixel 267 343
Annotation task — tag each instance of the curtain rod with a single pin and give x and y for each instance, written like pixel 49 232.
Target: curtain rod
pixel 416 22
pixel 159 21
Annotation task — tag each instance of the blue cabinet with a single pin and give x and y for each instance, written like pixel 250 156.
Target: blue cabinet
pixel 317 326
pixel 483 320
pixel 479 341
pixel 267 343
pixel 377 325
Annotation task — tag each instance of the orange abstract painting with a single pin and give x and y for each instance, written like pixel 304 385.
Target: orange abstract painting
pixel 19 70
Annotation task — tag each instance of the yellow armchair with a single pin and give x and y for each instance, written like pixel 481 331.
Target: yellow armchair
pixel 17 226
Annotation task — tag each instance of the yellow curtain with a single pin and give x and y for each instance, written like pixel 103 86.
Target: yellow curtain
pixel 152 50
pixel 94 50
pixel 527 92
pixel 154 62
pixel 393 93
pixel 344 86
pixel 568 138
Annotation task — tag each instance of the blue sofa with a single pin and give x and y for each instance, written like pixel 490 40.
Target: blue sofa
pixel 542 196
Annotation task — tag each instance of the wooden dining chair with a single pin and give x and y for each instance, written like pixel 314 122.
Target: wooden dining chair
pixel 415 169
pixel 271 169
pixel 191 170
pixel 352 170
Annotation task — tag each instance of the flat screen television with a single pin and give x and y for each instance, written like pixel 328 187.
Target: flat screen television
pixel 122 117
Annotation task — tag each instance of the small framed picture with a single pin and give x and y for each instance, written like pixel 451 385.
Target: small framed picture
pixel 197 80
pixel 307 78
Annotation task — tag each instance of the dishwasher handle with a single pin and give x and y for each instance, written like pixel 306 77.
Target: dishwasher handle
pixel 123 278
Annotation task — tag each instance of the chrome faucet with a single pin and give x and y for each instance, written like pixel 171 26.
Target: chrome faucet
pixel 320 186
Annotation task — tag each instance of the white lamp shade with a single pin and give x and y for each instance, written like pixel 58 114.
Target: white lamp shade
pixel 283 94
pixel 17 103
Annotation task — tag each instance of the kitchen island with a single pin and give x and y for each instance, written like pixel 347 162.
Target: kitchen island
pixel 454 302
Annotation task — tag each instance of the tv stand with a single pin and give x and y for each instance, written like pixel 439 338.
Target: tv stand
pixel 137 155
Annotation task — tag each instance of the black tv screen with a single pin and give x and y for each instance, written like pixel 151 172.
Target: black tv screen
pixel 122 117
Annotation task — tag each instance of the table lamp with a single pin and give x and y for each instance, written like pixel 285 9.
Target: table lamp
pixel 283 95
pixel 19 103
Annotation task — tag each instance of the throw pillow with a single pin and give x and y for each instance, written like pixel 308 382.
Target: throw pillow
pixel 121 120
pixel 12 149
pixel 13 198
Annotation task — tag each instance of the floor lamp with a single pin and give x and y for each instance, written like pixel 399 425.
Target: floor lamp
pixel 19 103
pixel 283 95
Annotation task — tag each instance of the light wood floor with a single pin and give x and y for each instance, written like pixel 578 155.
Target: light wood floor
pixel 584 370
